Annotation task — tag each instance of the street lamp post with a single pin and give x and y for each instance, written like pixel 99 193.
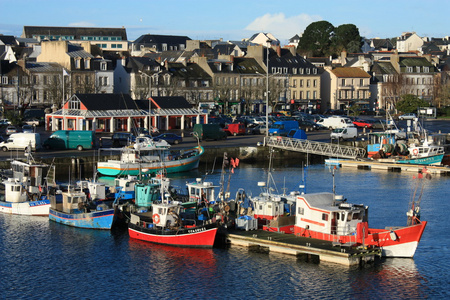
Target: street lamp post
pixel 149 99
pixel 267 94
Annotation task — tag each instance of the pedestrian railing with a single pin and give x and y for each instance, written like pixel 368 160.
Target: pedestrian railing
pixel 318 148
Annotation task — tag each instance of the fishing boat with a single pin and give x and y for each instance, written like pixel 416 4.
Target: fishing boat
pixel 385 147
pixel 26 189
pixel 170 223
pixel 329 217
pixel 75 209
pixel 149 157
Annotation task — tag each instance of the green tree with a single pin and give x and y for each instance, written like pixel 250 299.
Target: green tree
pixel 316 39
pixel 409 103
pixel 346 37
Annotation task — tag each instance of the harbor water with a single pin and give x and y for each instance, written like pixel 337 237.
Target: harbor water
pixel 45 260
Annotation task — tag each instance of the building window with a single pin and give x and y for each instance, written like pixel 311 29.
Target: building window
pixel 409 69
pixel 87 79
pixel 103 66
pixel 295 82
pixel 87 63
pixel 164 47
pixel 77 63
pixel 45 80
pixel 308 83
pixel 343 82
pixel 426 69
pixel 315 82
pixel 301 82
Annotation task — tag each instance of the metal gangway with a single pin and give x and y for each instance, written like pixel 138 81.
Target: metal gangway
pixel 313 147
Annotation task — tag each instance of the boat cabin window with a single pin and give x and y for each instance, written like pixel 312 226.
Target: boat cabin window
pixel 301 211
pixel 337 216
pixel 356 216
pixel 15 188
pixel 260 207
pixel 343 216
pixel 325 217
pixel 349 217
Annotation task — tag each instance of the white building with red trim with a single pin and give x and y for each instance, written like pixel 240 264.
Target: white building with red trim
pixel 118 112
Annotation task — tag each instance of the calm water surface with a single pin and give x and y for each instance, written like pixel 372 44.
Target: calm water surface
pixel 45 260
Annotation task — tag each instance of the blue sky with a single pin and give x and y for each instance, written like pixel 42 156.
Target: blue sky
pixel 231 19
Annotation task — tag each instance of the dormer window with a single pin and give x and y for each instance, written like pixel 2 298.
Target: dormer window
pixel 77 63
pixel 301 70
pixel 87 64
pixel 103 66
pixel 426 69
pixel 409 69
pixel 314 71
pixel 418 69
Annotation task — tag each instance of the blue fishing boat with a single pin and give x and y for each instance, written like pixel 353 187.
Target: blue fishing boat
pixel 76 210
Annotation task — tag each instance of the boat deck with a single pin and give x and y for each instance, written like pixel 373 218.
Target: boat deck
pixel 391 167
pixel 302 247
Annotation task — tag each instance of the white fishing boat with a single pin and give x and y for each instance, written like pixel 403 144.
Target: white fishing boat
pixel 147 156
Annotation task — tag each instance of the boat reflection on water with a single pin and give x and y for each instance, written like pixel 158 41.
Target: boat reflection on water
pixel 398 275
pixel 175 262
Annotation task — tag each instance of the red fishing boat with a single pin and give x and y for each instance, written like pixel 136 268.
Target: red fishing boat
pixel 172 224
pixel 329 217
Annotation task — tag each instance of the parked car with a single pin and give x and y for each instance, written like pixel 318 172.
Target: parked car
pixel 408 116
pixel 308 125
pixel 10 130
pixel 120 139
pixel 171 138
pixel 259 129
pixel 363 123
pixel 27 129
pixel 32 122
pixel 5 122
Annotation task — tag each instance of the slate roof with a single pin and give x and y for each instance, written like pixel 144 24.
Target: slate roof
pixel 76 32
pixel 107 101
pixel 77 51
pixel 44 67
pixel 175 102
pixel 350 73
pixel 190 71
pixel 414 61
pixel 8 40
pixel 248 66
pixel 161 39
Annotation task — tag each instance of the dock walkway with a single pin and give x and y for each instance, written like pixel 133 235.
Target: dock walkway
pixel 313 147
pixel 310 249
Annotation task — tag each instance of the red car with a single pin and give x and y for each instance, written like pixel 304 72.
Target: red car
pixel 363 123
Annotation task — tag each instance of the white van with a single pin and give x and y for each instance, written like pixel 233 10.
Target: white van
pixel 344 133
pixel 21 141
pixel 335 122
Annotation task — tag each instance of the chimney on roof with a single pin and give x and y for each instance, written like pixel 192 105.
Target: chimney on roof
pixel 279 51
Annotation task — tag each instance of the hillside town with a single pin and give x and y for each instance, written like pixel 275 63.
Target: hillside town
pixel 95 78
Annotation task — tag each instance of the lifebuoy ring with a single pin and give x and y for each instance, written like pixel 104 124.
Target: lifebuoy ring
pixel 416 151
pixel 156 218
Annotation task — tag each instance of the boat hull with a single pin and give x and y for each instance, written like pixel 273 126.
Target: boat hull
pixel 398 242
pixel 29 208
pixel 428 160
pixel 119 168
pixel 94 220
pixel 199 237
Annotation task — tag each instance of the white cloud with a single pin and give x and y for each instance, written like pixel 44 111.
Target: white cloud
pixel 282 27
pixel 82 24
